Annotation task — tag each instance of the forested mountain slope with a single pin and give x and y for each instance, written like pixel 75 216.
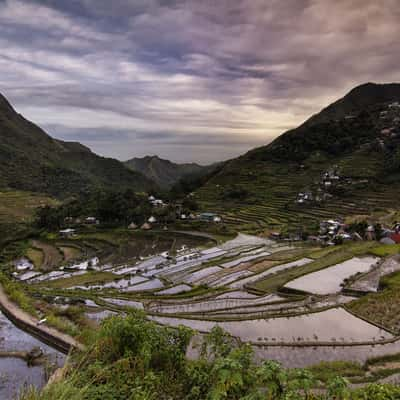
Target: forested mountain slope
pixel 164 172
pixel 31 160
pixel 346 159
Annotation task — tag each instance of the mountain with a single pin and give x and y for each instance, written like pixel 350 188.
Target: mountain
pixel 357 99
pixel 164 172
pixel 31 160
pixel 355 140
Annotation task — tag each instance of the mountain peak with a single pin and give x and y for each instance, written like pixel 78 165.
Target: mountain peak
pixel 6 108
pixel 164 172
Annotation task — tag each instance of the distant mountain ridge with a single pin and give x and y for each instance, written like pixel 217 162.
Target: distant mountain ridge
pixel 164 173
pixel 358 135
pixel 31 160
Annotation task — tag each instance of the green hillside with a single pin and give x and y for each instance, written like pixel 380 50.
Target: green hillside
pixel 356 139
pixel 164 172
pixel 30 160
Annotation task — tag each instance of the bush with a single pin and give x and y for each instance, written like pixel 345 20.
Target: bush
pixel 16 294
pixel 135 359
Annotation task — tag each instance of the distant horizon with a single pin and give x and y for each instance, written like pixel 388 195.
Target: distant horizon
pixel 189 81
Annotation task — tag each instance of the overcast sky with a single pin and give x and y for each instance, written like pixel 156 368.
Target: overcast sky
pixel 189 80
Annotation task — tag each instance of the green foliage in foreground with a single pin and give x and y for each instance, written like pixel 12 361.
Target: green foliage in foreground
pixel 134 359
pixel 17 295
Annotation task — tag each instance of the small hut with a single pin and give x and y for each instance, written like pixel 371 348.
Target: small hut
pixel 132 225
pixel 146 226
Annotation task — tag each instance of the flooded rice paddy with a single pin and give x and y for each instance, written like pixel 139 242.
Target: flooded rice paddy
pixel 332 326
pixel 330 280
pixel 213 304
pixel 275 323
pixel 15 372
pixel 195 276
pixel 124 303
pixel 242 260
pixel 254 278
pixel 174 290
pixel 300 357
pixel 370 281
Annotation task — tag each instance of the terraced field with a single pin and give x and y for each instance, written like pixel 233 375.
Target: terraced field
pixel 19 207
pixel 242 285
pixel 272 190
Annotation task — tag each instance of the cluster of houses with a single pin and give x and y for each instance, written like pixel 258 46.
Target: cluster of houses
pixel 205 217
pixel 392 236
pixel 208 217
pixel 69 232
pixel 82 221
pixel 332 232
pixel 329 179
pixel 156 202
pixel 147 225
pixel 389 125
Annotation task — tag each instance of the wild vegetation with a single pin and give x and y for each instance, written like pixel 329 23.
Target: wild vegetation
pixel 132 358
pixel 382 307
pixel 30 160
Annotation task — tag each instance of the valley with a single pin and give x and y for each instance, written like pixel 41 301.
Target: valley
pixel 290 250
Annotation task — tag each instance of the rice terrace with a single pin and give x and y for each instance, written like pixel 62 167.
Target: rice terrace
pixel 254 288
pixel 206 206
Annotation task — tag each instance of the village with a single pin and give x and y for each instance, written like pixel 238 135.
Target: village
pixel 156 220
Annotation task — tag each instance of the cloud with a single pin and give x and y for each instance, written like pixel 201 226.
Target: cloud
pixel 188 78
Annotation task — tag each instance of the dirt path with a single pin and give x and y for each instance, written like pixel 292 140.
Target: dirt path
pixel 29 324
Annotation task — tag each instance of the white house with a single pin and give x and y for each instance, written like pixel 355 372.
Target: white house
pixel 67 232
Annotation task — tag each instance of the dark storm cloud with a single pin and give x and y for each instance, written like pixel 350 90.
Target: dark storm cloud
pixel 148 76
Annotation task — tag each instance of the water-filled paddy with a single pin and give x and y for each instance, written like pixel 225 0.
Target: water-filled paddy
pixel 124 303
pixel 175 290
pixel 121 284
pixel 278 268
pixel 15 371
pixel 300 357
pixel 195 276
pixel 242 260
pixel 329 280
pixel 149 285
pixel 370 281
pixel 335 325
pixel 225 280
pixel 213 304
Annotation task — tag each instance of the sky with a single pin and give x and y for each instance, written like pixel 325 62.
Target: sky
pixel 188 80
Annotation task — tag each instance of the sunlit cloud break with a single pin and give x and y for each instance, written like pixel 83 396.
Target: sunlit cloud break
pixel 188 80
